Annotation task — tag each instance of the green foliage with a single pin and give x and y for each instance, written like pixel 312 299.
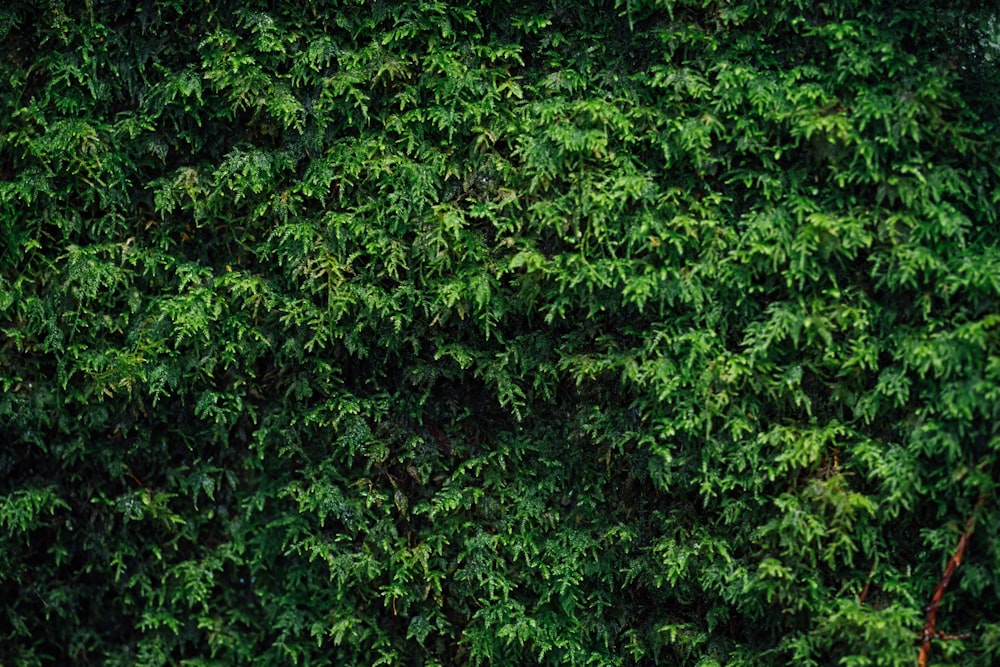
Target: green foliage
pixel 500 333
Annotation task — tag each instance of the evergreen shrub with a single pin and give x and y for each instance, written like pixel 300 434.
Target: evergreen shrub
pixel 442 332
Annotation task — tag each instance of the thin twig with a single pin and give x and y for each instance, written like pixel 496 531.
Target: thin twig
pixel 439 435
pixel 949 570
pixel 868 582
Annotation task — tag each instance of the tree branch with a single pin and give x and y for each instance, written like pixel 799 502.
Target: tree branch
pixel 949 570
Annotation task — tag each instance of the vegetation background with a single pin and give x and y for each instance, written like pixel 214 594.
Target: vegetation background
pixel 514 333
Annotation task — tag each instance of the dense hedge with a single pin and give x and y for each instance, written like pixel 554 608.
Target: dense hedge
pixel 443 333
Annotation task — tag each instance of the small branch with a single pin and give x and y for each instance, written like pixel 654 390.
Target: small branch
pixel 949 570
pixel 439 435
pixel 868 582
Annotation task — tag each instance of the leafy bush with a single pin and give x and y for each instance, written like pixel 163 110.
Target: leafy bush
pixel 655 332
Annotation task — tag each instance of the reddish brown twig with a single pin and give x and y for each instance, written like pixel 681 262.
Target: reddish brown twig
pixel 949 570
pixel 868 582
pixel 439 435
